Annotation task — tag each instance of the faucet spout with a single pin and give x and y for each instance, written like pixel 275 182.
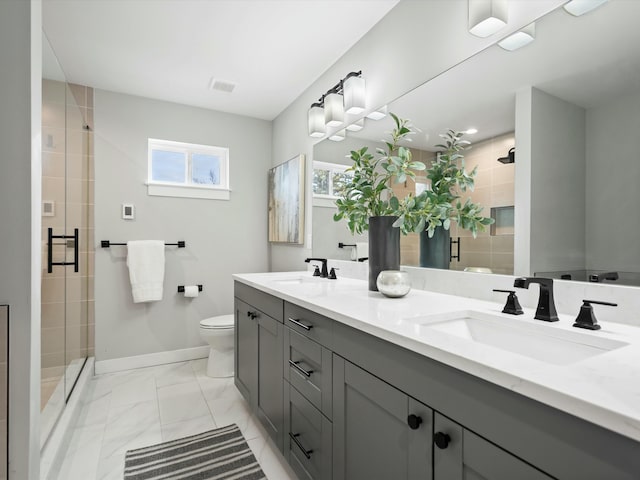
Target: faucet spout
pixel 546 306
pixel 324 272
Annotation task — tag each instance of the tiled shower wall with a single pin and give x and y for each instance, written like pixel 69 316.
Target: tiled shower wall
pixel 494 187
pixel 70 133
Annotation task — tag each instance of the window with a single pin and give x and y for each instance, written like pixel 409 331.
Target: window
pixel 329 181
pixel 188 170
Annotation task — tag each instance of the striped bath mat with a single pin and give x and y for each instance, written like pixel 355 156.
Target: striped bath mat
pixel 218 454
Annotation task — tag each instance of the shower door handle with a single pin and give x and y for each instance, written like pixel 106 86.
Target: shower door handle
pixel 76 255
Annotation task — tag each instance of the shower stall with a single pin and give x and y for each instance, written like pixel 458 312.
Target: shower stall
pixel 67 237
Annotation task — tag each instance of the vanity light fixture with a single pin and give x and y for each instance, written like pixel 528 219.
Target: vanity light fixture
pixel 580 7
pixel 356 126
pixel 378 114
pixel 486 17
pixel 354 93
pixel 333 109
pixel 329 111
pixel 338 136
pixel 520 38
pixel 316 121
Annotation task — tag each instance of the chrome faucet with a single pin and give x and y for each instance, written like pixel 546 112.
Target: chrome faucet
pixel 324 273
pixel 546 307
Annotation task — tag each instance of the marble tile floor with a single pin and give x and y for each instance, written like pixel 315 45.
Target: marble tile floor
pixel 142 407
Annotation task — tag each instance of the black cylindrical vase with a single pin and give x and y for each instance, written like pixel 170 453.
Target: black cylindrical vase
pixel 435 252
pixel 384 247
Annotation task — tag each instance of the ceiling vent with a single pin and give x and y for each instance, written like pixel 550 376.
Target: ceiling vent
pixel 221 85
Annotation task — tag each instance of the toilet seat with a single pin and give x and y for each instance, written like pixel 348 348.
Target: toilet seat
pixel 221 322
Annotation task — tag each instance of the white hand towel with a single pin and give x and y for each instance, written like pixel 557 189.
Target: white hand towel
pixel 145 259
pixel 362 248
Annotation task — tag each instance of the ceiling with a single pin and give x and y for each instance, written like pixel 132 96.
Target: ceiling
pixel 586 60
pixel 272 50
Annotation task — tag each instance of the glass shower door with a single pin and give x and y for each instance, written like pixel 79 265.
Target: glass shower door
pixel 66 216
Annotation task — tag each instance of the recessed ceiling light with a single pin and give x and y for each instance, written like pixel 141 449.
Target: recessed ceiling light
pixel 580 7
pixel 519 39
pixel 471 131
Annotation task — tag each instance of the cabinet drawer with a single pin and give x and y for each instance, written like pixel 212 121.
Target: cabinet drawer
pixel 307 437
pixel 307 367
pixel 269 304
pixel 309 324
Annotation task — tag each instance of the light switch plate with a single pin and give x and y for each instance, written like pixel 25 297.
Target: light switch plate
pixel 48 208
pixel 128 211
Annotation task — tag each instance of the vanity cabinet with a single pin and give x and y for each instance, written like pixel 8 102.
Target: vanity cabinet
pixel 379 431
pixel 459 454
pixel 346 405
pixel 258 357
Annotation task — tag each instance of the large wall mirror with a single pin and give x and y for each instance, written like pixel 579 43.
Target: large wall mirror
pixel 567 108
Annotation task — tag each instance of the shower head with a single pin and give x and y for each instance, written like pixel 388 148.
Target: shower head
pixel 510 158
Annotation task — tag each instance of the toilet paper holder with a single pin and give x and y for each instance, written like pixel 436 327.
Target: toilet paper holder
pixel 181 288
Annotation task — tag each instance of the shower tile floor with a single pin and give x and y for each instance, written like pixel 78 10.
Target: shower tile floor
pixel 137 408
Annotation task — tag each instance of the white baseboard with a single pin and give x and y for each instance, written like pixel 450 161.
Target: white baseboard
pixel 151 359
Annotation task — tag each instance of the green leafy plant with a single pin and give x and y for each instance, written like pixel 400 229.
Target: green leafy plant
pixel 370 192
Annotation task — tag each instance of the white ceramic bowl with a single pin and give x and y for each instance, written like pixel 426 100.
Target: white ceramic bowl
pixel 393 283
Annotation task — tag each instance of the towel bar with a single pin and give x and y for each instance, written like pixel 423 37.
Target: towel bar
pixel 107 244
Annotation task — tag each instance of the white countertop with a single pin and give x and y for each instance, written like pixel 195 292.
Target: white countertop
pixel 603 389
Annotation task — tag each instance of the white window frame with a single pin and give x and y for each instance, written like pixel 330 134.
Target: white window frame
pixel 321 199
pixel 188 189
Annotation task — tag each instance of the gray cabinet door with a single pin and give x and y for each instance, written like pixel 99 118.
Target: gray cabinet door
pixel 246 352
pixel 270 406
pixel 463 455
pixel 372 438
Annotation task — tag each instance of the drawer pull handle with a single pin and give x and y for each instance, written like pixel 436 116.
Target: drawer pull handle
pixel 300 324
pixel 300 369
pixel 414 421
pixel 294 437
pixel 252 315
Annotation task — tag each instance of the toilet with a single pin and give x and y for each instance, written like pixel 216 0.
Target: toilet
pixel 218 333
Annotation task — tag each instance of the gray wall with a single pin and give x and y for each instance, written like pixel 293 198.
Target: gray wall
pixel 613 170
pixel 20 167
pixel 223 237
pixel 414 42
pixel 552 159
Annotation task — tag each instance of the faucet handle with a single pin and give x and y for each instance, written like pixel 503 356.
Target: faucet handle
pixel 316 272
pixel 512 306
pixel 586 318
pixel 332 273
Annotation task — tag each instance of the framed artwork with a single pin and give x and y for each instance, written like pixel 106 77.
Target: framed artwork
pixel 286 202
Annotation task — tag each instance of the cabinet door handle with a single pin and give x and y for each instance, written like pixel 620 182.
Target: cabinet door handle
pixel 252 315
pixel 414 421
pixel 300 324
pixel 300 369
pixel 294 437
pixel 441 440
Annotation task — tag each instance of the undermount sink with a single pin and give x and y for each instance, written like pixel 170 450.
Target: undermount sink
pixel 298 280
pixel 542 342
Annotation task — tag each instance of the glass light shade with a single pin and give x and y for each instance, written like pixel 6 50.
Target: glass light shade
pixel 393 283
pixel 356 126
pixel 316 121
pixel 333 110
pixel 486 17
pixel 519 39
pixel 580 7
pixel 378 114
pixel 338 136
pixel 354 95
